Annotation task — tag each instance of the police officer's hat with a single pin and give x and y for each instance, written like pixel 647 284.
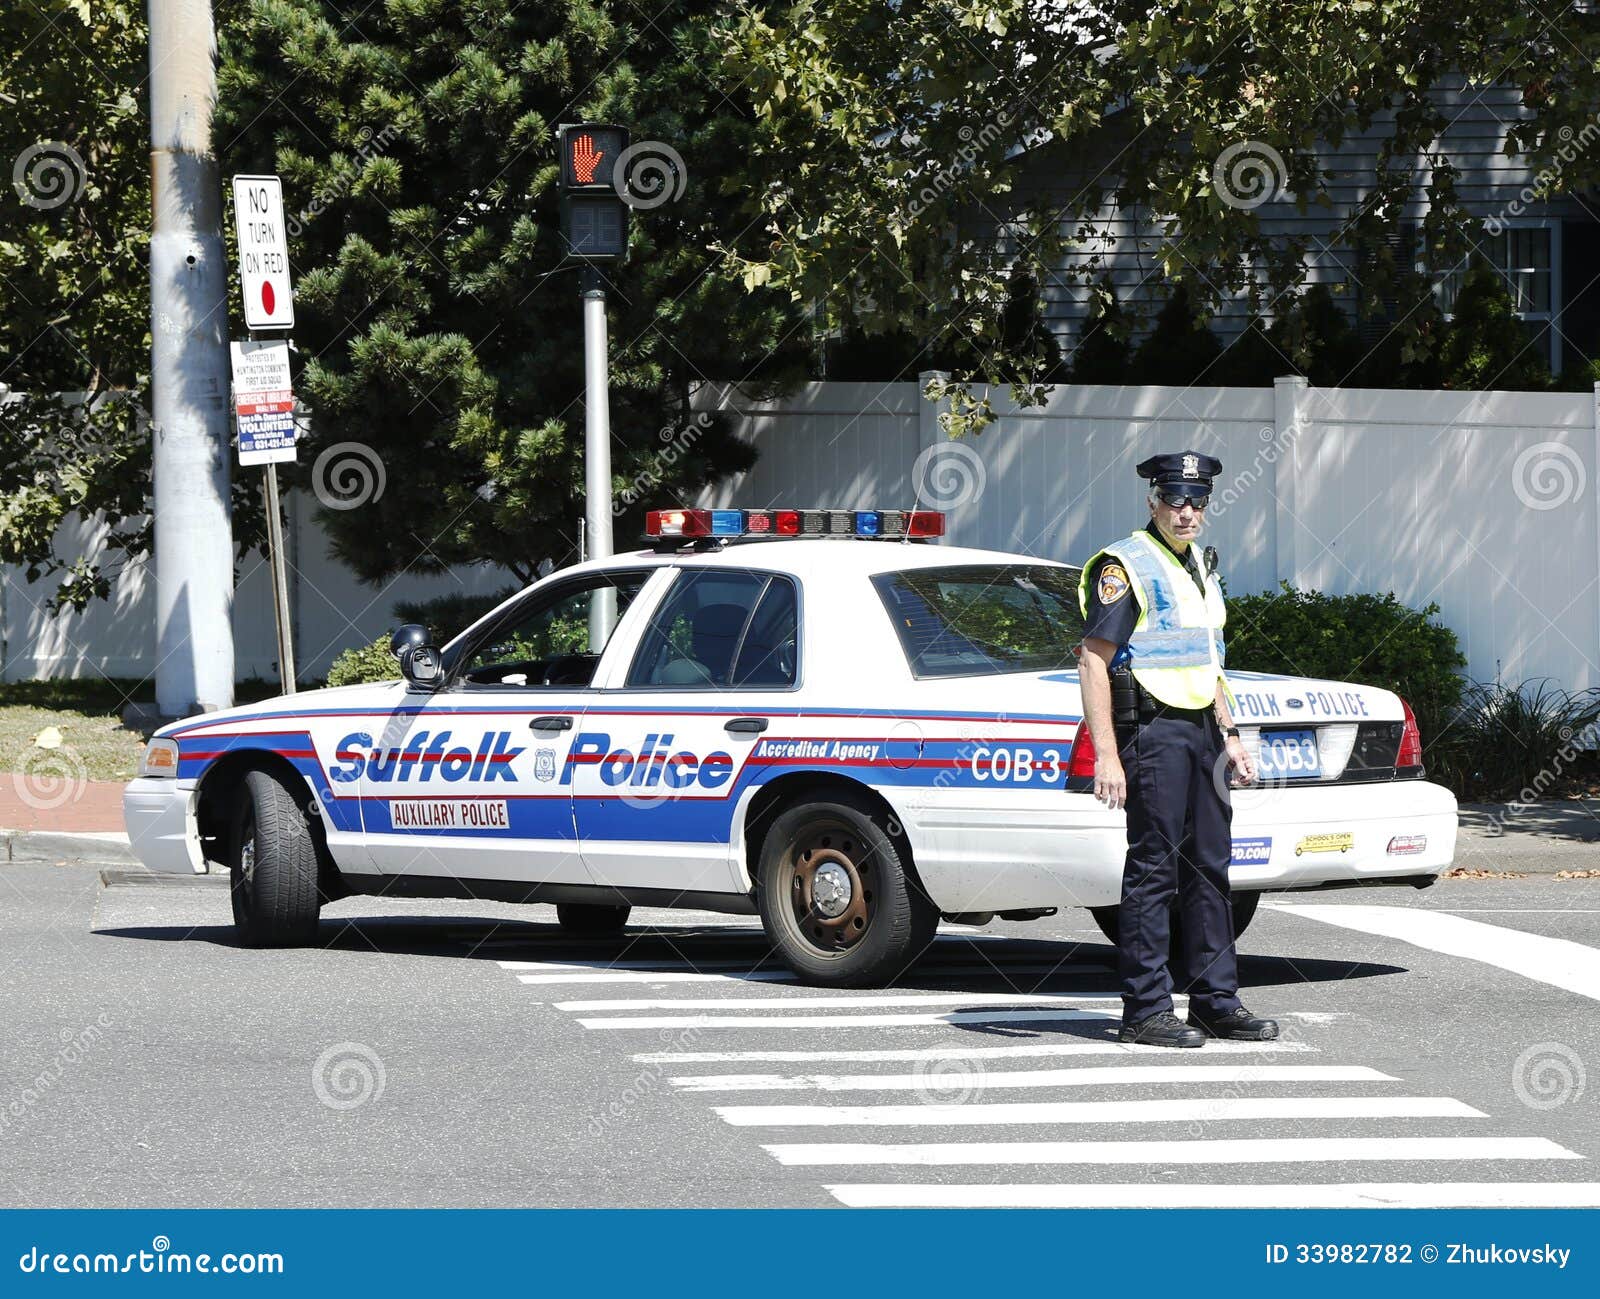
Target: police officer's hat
pixel 1187 472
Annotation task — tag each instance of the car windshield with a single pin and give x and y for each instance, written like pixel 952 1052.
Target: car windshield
pixel 980 619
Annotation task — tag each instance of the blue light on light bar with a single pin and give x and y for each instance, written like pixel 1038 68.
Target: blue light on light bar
pixel 868 523
pixel 727 523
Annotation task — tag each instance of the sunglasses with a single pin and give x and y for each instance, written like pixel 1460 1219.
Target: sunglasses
pixel 1177 500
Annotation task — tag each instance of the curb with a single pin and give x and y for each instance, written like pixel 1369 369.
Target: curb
pixel 54 846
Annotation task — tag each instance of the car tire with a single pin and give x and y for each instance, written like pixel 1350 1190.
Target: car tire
pixel 592 919
pixel 837 894
pixel 273 864
pixel 1244 910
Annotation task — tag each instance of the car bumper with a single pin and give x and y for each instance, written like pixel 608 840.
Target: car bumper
pixel 1068 850
pixel 159 816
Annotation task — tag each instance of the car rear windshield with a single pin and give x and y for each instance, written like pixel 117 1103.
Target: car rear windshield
pixel 979 619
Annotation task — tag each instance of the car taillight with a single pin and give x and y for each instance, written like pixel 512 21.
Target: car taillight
pixel 1080 762
pixel 1410 754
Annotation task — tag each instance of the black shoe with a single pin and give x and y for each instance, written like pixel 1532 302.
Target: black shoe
pixel 1238 1024
pixel 1161 1029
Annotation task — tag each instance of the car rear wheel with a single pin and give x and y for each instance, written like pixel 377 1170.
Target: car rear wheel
pixel 592 919
pixel 1244 910
pixel 837 895
pixel 273 865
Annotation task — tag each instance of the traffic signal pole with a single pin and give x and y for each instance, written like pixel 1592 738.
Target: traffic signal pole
pixel 596 419
pixel 189 373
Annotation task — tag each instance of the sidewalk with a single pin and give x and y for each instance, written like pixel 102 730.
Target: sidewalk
pixel 1540 838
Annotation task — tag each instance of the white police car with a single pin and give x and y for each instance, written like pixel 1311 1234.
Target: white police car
pixel 801 713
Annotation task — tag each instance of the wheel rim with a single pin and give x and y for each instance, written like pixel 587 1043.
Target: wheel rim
pixel 831 887
pixel 247 851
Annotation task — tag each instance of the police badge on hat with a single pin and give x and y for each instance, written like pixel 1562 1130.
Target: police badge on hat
pixel 1189 472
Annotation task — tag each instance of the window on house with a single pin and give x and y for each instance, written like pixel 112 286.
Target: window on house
pixel 1527 257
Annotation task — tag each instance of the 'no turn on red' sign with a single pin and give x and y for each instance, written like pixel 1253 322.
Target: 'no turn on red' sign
pixel 263 252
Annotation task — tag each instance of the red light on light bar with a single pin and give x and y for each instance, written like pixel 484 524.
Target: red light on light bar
pixel 677 523
pixel 758 523
pixel 788 523
pixel 925 523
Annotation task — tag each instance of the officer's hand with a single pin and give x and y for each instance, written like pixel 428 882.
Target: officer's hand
pixel 1110 784
pixel 1243 764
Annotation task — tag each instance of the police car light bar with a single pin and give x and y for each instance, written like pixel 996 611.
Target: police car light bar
pixel 691 524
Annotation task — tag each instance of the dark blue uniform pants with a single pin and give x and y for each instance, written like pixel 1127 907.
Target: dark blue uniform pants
pixel 1179 842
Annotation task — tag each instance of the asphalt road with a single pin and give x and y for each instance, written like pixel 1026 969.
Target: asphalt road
pixel 1435 1051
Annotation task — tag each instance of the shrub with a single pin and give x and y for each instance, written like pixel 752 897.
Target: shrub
pixel 1514 742
pixel 366 663
pixel 1370 639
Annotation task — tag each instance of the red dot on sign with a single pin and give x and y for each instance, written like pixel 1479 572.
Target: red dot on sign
pixel 269 299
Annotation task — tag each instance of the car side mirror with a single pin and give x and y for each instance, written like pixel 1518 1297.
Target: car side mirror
pixel 420 662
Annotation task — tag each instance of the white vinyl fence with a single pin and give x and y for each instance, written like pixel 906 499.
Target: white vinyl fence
pixel 1481 502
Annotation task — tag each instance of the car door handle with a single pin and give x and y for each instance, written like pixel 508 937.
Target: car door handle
pixel 746 725
pixel 554 723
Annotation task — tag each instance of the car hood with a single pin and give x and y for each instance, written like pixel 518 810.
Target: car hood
pixel 336 698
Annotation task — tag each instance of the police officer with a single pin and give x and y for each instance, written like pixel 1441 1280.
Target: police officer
pixel 1156 704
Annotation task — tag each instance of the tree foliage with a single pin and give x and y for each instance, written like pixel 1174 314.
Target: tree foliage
pixel 909 120
pixel 438 319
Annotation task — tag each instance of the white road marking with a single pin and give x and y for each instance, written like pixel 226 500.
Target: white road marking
pixel 1195 1109
pixel 746 975
pixel 1023 1051
pixel 1555 961
pixel 911 1020
pixel 1179 1073
pixel 1244 1150
pixel 828 1002
pixel 1292 1195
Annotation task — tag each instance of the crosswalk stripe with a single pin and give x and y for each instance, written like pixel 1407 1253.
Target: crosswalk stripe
pixel 1556 961
pixel 1022 1051
pixel 1244 1150
pixel 735 976
pixel 1291 1195
pixel 935 1082
pixel 832 1001
pixel 1189 1109
pixel 911 1020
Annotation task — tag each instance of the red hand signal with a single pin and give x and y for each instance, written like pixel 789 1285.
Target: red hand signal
pixel 585 159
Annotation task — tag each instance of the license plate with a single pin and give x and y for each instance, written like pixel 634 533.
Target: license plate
pixel 1290 755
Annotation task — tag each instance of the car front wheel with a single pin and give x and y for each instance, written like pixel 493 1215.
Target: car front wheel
pixel 837 895
pixel 273 865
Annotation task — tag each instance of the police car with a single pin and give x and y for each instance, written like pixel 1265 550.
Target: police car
pixel 807 714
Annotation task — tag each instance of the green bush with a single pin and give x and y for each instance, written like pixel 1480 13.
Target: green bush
pixel 1515 742
pixel 1369 639
pixel 367 663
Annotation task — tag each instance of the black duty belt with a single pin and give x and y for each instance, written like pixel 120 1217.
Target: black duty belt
pixel 1133 705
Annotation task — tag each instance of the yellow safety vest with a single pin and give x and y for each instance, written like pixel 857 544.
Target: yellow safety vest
pixel 1176 650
